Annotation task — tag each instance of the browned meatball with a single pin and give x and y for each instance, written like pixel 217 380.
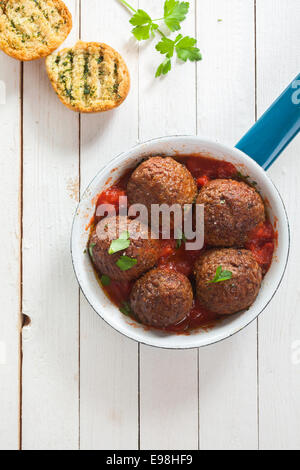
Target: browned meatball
pixel 161 298
pixel 145 251
pixel 235 294
pixel 231 210
pixel 161 180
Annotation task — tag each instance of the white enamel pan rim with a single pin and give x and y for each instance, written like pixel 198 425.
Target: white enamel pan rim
pixel 109 313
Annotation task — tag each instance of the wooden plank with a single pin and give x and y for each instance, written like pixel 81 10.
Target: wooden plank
pixel 108 361
pixel 9 251
pixel 50 292
pixel 279 327
pixel 226 109
pixel 168 379
pixel 169 405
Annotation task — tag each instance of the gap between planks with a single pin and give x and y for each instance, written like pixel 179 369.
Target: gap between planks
pixel 21 93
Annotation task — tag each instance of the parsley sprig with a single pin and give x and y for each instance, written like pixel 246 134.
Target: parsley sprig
pixel 174 13
pixel 91 247
pixel 180 238
pixel 105 280
pixel 221 276
pixel 125 309
pixel 144 25
pixel 122 243
pixel 125 263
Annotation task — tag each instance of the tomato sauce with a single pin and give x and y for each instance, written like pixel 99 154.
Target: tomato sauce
pixel 261 242
pixel 205 169
pixel 119 292
pixel 199 317
pixel 173 254
pixel 177 258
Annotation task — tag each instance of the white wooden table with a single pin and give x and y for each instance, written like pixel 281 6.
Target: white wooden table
pixel 67 380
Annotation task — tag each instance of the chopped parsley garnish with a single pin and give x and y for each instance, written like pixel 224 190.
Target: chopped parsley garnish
pixel 116 88
pixel 245 179
pixel 87 89
pixel 70 56
pixel 91 247
pixel 105 280
pixel 86 66
pixel 125 308
pixel 181 238
pixel 122 243
pixel 221 276
pixel 125 263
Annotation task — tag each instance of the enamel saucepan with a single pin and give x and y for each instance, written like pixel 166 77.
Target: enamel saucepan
pixel 253 155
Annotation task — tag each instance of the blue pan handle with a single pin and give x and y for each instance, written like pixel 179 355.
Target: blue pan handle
pixel 265 141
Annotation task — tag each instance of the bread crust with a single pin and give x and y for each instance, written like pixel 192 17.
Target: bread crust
pixel 99 79
pixel 32 29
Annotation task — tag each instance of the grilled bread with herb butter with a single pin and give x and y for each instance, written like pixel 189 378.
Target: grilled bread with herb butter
pixel 89 77
pixel 31 29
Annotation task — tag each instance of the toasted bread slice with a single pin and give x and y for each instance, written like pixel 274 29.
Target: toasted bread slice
pixel 89 78
pixel 30 29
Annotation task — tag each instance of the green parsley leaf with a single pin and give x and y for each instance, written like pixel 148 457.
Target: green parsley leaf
pixel 166 46
pixel 181 238
pixel 125 263
pixel 105 280
pixel 91 246
pixel 174 13
pixel 221 276
pixel 164 68
pixel 125 308
pixel 245 179
pixel 186 50
pixel 140 18
pixel 141 33
pixel 122 243
pixel 178 243
pixel 144 25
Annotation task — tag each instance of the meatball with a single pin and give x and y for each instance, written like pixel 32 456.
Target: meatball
pixel 161 298
pixel 235 294
pixel 143 248
pixel 231 210
pixel 161 180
